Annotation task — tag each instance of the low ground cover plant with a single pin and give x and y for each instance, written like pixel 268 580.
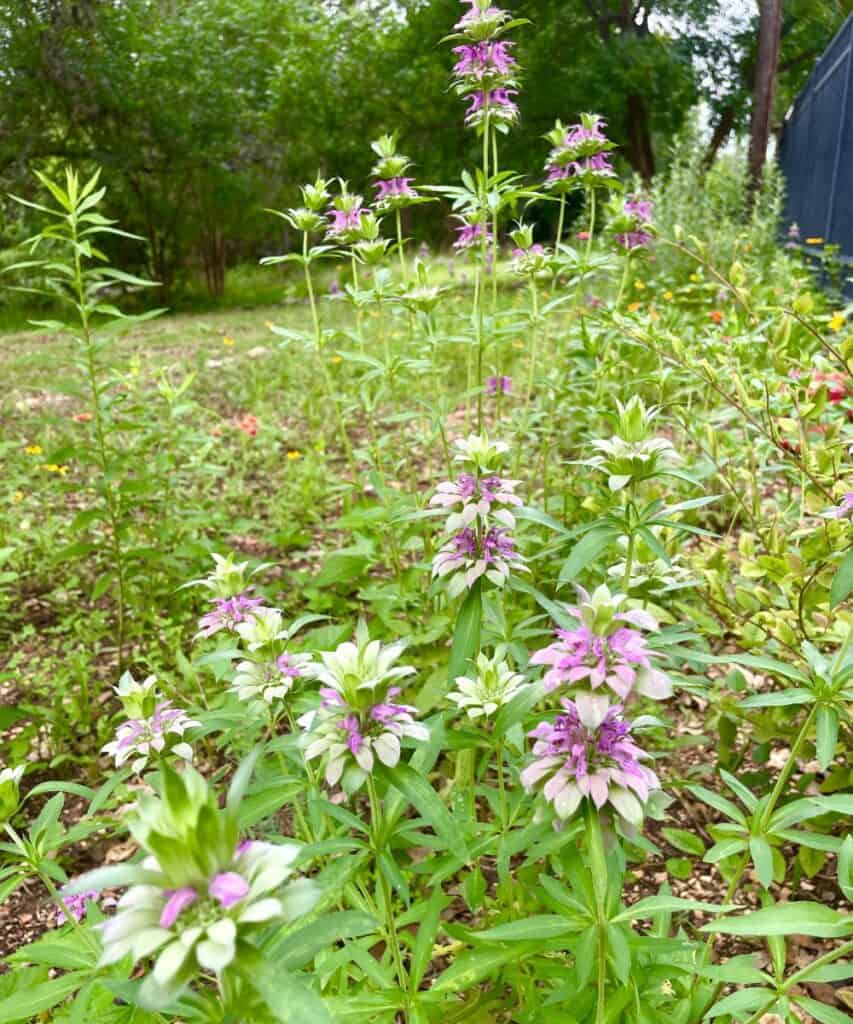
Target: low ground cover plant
pixel 469 639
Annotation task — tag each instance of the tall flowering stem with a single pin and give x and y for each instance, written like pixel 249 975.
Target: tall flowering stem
pixel 485 75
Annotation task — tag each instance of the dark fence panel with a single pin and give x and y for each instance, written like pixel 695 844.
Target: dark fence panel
pixel 816 151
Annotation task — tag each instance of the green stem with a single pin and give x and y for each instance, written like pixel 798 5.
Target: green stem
pixel 112 502
pixel 318 342
pixel 591 227
pixel 377 818
pixel 785 774
pixel 624 281
pixel 403 269
pixel 629 562
pixel 356 302
pixel 598 870
pixel 534 337
pixel 501 786
pixel 560 221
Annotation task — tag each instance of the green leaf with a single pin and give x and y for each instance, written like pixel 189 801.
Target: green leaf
pixel 35 999
pixel 821 1012
pixel 719 803
pixel 538 926
pixel 417 790
pixel 472 968
pixel 587 549
pixel 779 699
pixel 842 583
pixel 762 858
pixel 296 949
pixel 427 932
pixel 800 918
pixel 663 902
pixel 827 735
pixel 287 996
pixel 466 632
pixel 687 842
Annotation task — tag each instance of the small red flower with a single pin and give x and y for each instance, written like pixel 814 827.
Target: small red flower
pixel 82 417
pixel 248 424
pixel 716 315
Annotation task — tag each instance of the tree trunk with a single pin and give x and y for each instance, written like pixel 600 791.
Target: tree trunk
pixel 722 130
pixel 640 153
pixel 764 87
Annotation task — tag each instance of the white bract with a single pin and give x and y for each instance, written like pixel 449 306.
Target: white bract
pixel 494 686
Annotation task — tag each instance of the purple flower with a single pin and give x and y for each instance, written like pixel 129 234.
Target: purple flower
pixel 345 223
pixel 844 510
pixel 603 651
pixel 632 224
pixel 227 613
pixel 579 155
pixel 495 103
pixel 597 165
pixel 473 234
pixel 482 61
pixel 468 555
pixel 76 905
pixel 478 496
pixel 587 752
pixel 394 188
pixel 228 888
pixel 140 737
pixel 502 384
pixel 176 904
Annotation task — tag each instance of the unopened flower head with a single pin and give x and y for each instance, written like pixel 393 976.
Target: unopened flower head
pixel 494 685
pixel 632 454
pixel 270 681
pixel 606 649
pixel 482 20
pixel 579 156
pixel 261 627
pixel 189 912
pixel 228 578
pixel 359 718
pixel 10 797
pixel 138 698
pixel 588 752
pixel 140 738
pixel 480 452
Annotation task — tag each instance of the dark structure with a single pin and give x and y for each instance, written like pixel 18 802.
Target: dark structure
pixel 816 151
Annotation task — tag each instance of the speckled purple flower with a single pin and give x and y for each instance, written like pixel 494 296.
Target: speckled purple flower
pixel 604 650
pixel 138 738
pixel 228 613
pixel 587 752
pixel 77 905
pixel 470 235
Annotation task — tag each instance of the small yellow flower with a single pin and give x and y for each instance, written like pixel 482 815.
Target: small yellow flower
pixel 268 324
pixel 639 285
pixel 53 467
pixel 228 341
pixel 668 296
pixel 294 455
pixel 695 277
pixel 814 241
pixel 336 359
pixel 837 322
pixel 634 306
pixel 518 343
pixel 33 449
pixel 18 496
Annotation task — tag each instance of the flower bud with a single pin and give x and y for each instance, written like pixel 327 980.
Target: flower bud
pixel 9 793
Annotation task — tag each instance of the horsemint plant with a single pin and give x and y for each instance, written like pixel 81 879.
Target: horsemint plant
pixel 77 275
